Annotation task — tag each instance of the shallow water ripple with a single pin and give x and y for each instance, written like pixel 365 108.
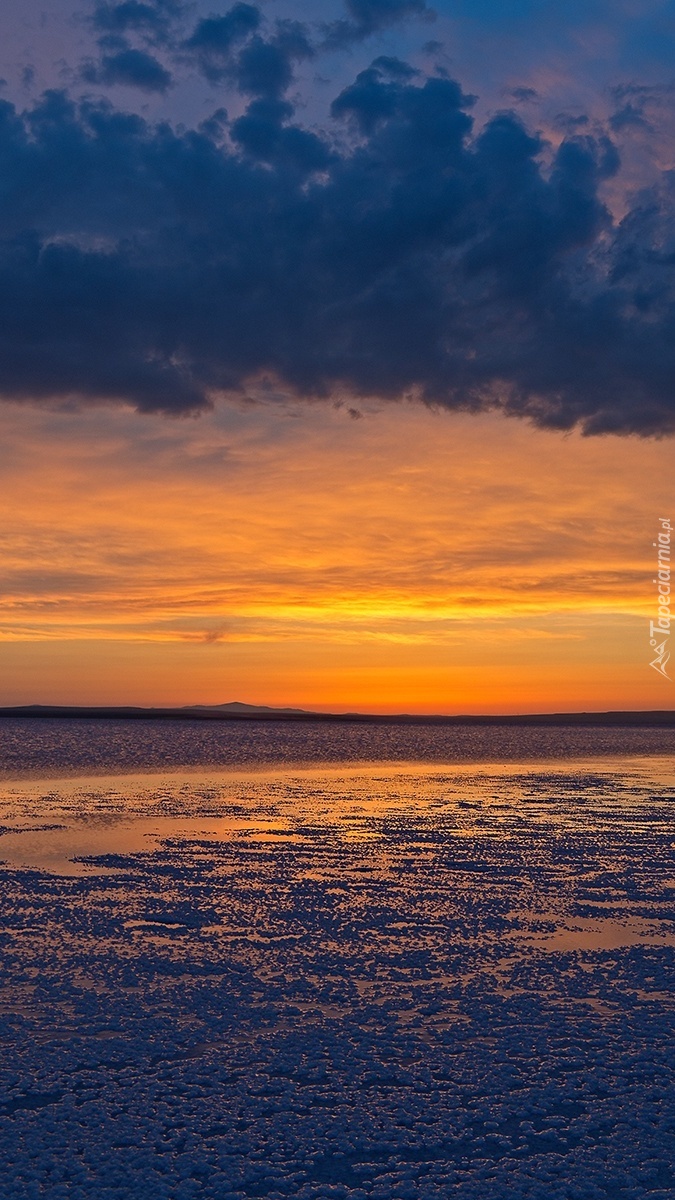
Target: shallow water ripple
pixel 404 982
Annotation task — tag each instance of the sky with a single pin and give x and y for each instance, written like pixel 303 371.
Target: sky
pixel 336 353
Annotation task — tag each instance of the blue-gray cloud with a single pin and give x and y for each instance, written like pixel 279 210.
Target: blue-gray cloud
pixel 213 39
pixel 409 255
pixel 121 62
pixel 129 67
pixel 151 20
pixel 366 17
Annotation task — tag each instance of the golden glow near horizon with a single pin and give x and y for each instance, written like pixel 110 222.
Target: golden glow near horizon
pixel 407 561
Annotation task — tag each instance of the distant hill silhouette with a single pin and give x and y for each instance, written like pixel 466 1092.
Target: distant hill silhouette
pixel 236 706
pixel 235 710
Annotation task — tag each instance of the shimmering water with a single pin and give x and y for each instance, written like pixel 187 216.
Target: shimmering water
pixel 356 961
pixel 46 746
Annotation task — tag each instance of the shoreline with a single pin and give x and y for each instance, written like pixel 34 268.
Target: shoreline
pixel 655 719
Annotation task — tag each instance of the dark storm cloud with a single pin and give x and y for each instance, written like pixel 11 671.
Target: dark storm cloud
pixel 366 17
pixel 229 47
pixel 119 61
pixel 262 133
pixel 152 20
pixel 265 67
pixel 413 256
pixel 129 67
pixel 214 38
pixel 523 95
pixel 375 94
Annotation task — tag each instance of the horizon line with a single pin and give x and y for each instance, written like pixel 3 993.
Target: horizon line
pixel 238 711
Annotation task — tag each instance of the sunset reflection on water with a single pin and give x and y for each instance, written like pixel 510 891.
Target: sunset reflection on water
pixel 348 965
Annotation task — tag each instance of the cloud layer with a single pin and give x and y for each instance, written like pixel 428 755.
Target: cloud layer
pixel 402 562
pixel 400 252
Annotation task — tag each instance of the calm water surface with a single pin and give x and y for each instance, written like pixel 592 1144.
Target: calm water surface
pixel 68 746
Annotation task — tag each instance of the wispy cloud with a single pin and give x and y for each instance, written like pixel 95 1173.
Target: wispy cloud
pixel 248 527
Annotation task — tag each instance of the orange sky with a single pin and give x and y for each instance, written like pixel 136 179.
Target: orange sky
pixel 406 561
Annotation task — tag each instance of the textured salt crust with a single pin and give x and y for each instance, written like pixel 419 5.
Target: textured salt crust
pixel 410 984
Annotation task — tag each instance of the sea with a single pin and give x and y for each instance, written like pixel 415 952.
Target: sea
pixel 303 959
